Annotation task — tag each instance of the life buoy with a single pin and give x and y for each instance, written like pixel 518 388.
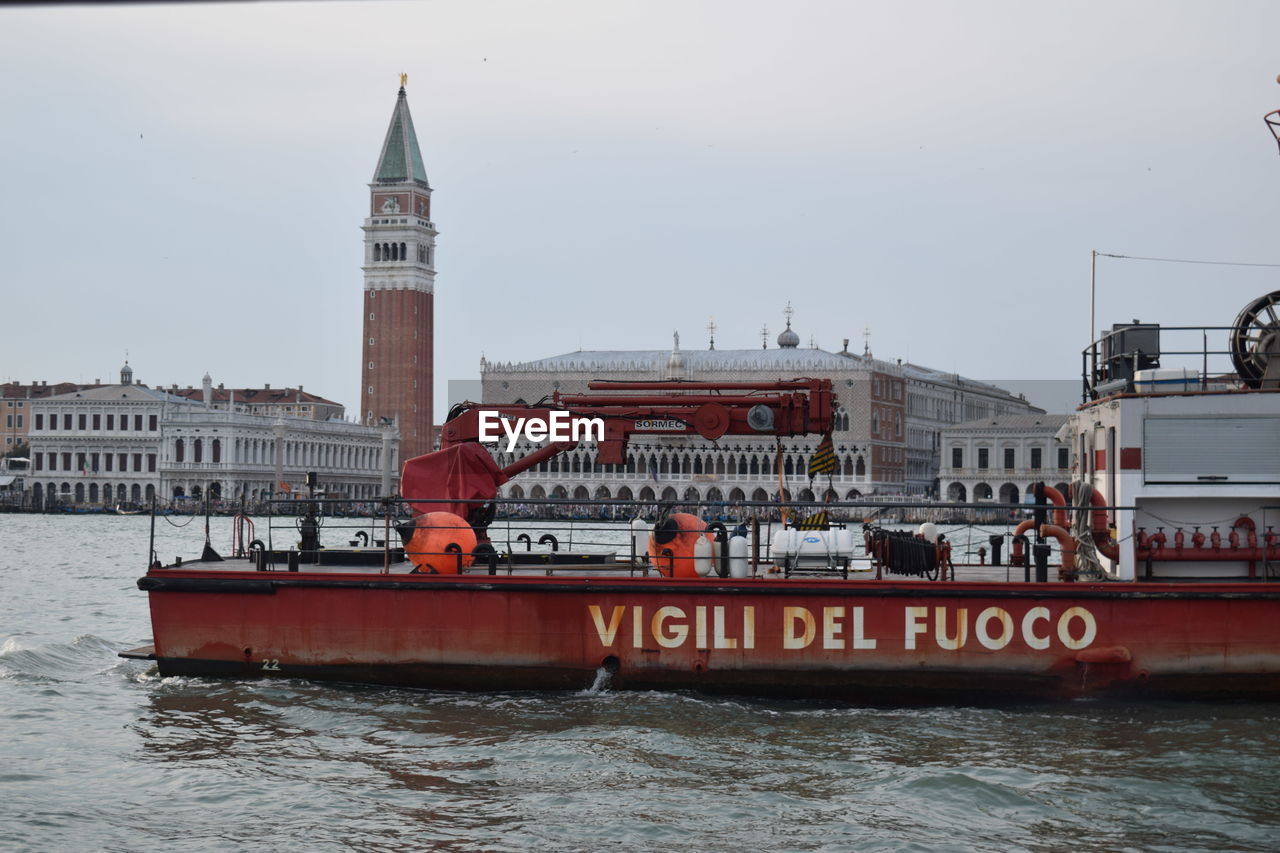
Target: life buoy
pixel 429 547
pixel 672 543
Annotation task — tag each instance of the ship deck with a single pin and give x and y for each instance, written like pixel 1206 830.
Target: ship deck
pixel 860 570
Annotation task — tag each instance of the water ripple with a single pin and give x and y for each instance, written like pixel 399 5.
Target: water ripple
pixel 101 753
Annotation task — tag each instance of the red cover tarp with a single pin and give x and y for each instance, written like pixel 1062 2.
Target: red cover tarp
pixel 460 473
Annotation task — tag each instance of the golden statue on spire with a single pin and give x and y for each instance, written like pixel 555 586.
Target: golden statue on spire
pixel 404 79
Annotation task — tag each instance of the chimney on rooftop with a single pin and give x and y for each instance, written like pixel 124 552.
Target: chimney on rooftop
pixel 267 386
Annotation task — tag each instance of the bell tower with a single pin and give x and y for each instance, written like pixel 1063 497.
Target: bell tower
pixel 399 283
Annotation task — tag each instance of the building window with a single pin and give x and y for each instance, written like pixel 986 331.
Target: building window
pixel 137 461
pixel 8 421
pixel 66 422
pixel 957 457
pixel 1035 457
pixel 983 461
pixel 122 461
pixel 1008 457
pixel 152 423
pixel 179 450
pixel 39 460
pixel 19 421
pixel 137 423
pixel 1063 461
pixel 93 462
pixel 216 450
pixel 151 462
pixel 111 422
pixel 66 462
pixel 82 422
pixel 40 422
pixel 97 422
pixel 197 451
pixel 108 458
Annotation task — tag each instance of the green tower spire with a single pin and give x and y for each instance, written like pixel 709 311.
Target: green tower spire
pixel 401 161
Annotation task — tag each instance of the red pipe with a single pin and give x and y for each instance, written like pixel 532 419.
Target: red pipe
pixel 1153 548
pixel 658 385
pixel 1247 523
pixel 1068 546
pixel 682 402
pixel 1056 498
pixel 1101 532
pixel 1208 555
pixel 1098 519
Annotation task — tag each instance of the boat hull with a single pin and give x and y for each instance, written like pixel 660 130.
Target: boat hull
pixel 871 641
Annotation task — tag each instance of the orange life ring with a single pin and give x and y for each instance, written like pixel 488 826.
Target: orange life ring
pixel 672 542
pixel 431 548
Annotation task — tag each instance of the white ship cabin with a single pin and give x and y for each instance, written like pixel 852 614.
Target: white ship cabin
pixel 1181 442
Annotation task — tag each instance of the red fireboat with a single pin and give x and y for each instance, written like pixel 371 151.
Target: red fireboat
pixel 1167 580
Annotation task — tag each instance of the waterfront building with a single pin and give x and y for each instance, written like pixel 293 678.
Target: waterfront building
pixel 99 444
pixel 128 443
pixel 874 439
pixel 996 460
pixel 266 401
pixel 399 284
pixel 231 454
pixel 13 481
pixel 15 399
pixel 936 401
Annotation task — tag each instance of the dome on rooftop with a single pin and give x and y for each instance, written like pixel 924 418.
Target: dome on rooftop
pixel 788 339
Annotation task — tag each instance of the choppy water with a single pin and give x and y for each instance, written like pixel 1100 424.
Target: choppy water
pixel 98 753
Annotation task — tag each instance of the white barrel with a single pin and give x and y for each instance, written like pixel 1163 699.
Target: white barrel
pixel 842 543
pixel 786 544
pixel 704 562
pixel 739 566
pixel 928 531
pixel 640 539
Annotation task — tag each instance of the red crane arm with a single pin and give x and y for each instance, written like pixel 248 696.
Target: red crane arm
pixel 611 420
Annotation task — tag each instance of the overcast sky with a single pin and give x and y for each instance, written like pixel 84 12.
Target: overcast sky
pixel 187 182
